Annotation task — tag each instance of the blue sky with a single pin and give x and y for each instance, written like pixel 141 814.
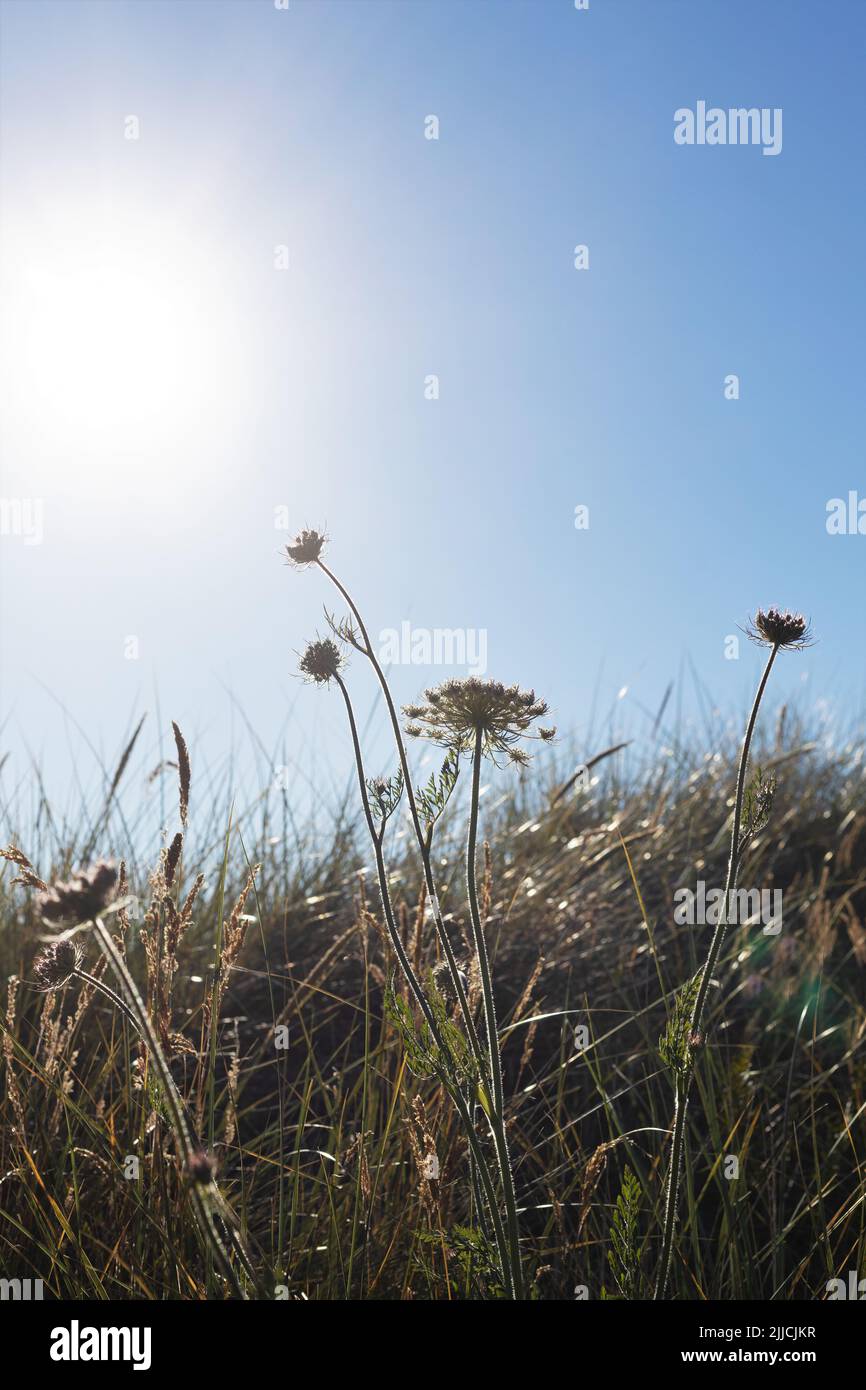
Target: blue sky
pixel 166 388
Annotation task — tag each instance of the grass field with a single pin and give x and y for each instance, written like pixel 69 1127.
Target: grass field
pixel 340 1172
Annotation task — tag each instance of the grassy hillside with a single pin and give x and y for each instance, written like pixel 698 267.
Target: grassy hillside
pixel 345 1174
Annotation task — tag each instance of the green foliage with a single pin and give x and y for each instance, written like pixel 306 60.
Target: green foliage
pixel 675 1044
pixel 453 1062
pixel 385 795
pixel 433 797
pixel 477 1259
pixel 624 1253
pixel 757 805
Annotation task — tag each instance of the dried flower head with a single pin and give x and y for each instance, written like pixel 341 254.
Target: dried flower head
pixel 460 709
pixel 774 628
pixel 84 897
pixel 57 964
pixel 306 548
pixel 322 661
pixel 201 1167
pixel 443 982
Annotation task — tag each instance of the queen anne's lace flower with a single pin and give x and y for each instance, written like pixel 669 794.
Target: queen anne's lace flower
pixel 57 964
pixel 84 897
pixel 306 548
pixel 459 710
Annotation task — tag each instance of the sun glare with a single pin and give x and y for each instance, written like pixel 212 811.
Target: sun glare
pixel 117 338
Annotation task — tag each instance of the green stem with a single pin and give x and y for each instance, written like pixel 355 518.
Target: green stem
pixel 513 1278
pixel 109 993
pixel 498 1097
pixel 382 872
pixel 423 844
pixel 684 1082
pixel 480 1160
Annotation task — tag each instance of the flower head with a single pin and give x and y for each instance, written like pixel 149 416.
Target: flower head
pixel 306 548
pixel 321 661
pixel 84 897
pixel 774 628
pixel 443 982
pixel 201 1167
pixel 57 964
pixel 460 710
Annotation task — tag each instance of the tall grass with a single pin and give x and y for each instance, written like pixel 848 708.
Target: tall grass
pixel 343 1173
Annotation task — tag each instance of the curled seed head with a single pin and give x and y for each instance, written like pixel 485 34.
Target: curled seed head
pixel 84 897
pixel 321 661
pixel 774 627
pixel 57 964
pixel 306 548
pixel 444 983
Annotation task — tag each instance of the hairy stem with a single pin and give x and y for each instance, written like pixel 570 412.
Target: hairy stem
pixel 109 993
pixel 497 1118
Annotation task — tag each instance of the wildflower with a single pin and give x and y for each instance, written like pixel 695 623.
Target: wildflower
pixel 84 897
pixel 306 548
pixel 774 628
pixel 57 964
pixel 459 710
pixel 321 661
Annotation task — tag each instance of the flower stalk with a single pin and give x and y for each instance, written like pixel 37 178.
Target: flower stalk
pixel 776 630
pixel 480 718
pixel 480 1165
pixel 497 1117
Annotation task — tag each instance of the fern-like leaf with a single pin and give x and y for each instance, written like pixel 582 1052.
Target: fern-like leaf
pixel 624 1253
pixel 433 797
pixel 675 1044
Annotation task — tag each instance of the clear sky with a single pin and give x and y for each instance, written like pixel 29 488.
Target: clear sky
pixel 170 391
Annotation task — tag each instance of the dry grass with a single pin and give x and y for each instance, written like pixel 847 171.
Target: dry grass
pixel 346 1173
